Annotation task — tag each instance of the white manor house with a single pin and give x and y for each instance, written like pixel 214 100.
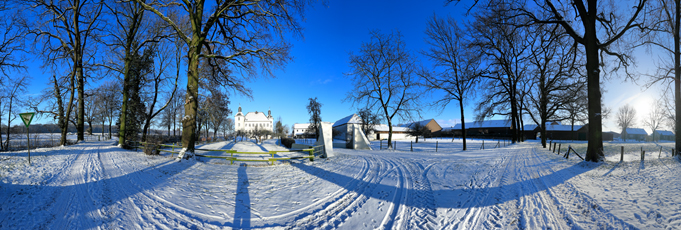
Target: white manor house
pixel 252 120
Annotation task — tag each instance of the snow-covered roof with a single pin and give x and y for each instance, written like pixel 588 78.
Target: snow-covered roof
pixel 422 123
pixel 301 126
pixel 485 124
pixel 636 131
pixel 256 117
pixel 664 132
pixel 384 128
pixel 352 119
pixel 562 127
pixel 530 127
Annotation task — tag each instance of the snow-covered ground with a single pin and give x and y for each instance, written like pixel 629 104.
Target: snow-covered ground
pixel 520 186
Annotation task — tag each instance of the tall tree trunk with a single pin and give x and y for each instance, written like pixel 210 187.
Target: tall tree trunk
pixel 191 99
pixel 390 134
pixel 9 115
pixel 514 114
pixel 463 124
pixel 543 103
pixel 595 144
pixel 126 96
pixel 677 75
pixel 78 64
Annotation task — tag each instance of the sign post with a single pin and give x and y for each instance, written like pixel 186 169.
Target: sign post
pixel 27 118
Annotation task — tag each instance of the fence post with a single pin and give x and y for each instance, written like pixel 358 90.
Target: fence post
pixel 643 155
pixel 550 143
pixel 394 145
pixel 659 154
pixel 380 144
pixel 411 145
pixel 673 153
pixel 436 146
pixel 483 144
pixel 622 154
pixel 554 147
pixel 559 149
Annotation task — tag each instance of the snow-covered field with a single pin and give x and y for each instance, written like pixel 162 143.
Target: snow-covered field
pixel 521 186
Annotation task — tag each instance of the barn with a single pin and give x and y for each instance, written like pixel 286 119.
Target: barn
pixel 663 135
pixel 429 124
pixel 485 129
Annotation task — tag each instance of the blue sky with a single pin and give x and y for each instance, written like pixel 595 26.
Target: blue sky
pixel 333 30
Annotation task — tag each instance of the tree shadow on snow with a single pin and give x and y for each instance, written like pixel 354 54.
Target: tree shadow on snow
pixel 48 210
pixel 242 203
pixel 370 189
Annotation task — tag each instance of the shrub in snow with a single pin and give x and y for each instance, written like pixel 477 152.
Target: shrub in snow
pixel 287 142
pixel 153 142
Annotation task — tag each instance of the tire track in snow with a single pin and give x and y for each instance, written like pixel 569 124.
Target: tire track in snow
pixel 74 205
pixel 154 211
pixel 341 206
pixel 23 204
pixel 578 209
pixel 472 206
pixel 421 208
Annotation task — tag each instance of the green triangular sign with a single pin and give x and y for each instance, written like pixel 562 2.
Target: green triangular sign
pixel 26 118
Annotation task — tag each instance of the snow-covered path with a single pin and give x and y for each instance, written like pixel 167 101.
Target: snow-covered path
pixel 98 185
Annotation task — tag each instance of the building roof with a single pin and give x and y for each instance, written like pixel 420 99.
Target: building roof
pixel 301 126
pixel 384 128
pixel 664 132
pixel 530 127
pixel 485 124
pixel 422 123
pixel 256 117
pixel 636 131
pixel 562 127
pixel 352 119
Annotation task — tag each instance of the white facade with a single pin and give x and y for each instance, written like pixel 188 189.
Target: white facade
pixel 252 120
pixel 301 129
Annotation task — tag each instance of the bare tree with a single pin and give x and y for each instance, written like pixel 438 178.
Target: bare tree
pixel 553 61
pixel 626 117
pixel 65 29
pixel 417 129
pixel 314 108
pixel 109 93
pixel 369 120
pixel 506 49
pixel 11 40
pixel 234 36
pixel 228 128
pixel 575 110
pixel 60 102
pixel 158 79
pixel 217 105
pixel 597 26
pixel 13 95
pixel 663 37
pixel 383 74
pixel 131 34
pixel 459 66
pixel 655 117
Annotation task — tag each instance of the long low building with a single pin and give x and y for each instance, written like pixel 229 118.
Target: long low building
pixel 301 130
pixel 381 133
pixel 484 129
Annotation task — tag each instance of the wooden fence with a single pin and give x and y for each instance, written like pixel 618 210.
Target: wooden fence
pixel 312 152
